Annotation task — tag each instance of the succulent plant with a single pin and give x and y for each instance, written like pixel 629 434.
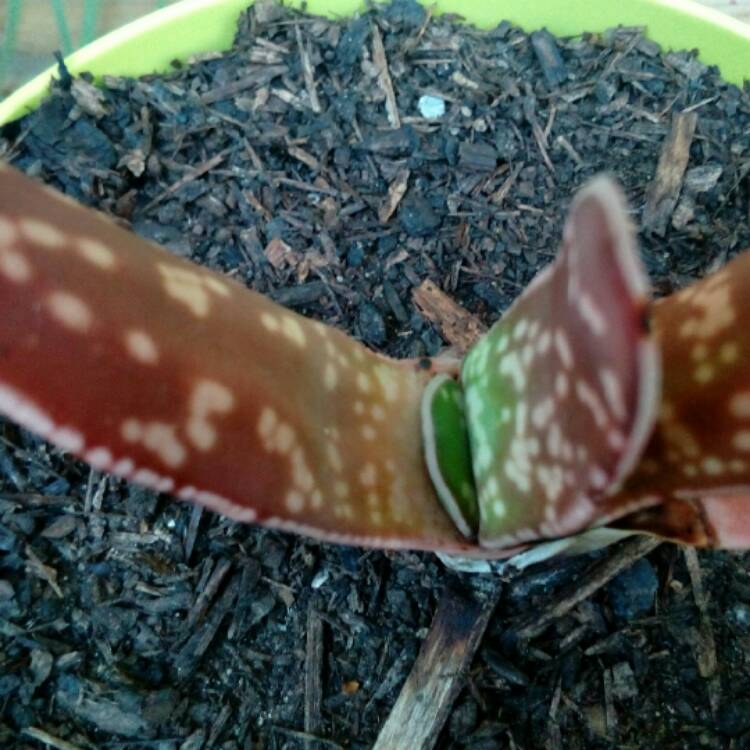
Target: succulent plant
pixel 585 406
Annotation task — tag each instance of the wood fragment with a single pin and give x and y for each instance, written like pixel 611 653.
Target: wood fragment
pixel 439 671
pixel 191 176
pixel 459 327
pixel 95 488
pixel 192 531
pixel 597 575
pixel 664 191
pixel 705 648
pixel 307 72
pixel 384 77
pixel 529 111
pixel 498 197
pixel 549 58
pixel 610 715
pixel 49 739
pixel 187 658
pixel 477 157
pixel 207 594
pixel 396 192
pixel 306 158
pixel 259 76
pixel 46 572
pixel 313 669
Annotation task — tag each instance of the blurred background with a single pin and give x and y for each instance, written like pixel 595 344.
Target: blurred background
pixel 30 30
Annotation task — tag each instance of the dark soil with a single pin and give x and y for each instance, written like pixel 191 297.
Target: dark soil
pixel 129 620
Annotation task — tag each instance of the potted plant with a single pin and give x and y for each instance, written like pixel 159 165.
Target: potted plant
pixel 319 435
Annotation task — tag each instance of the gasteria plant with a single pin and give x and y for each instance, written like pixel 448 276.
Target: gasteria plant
pixel 585 406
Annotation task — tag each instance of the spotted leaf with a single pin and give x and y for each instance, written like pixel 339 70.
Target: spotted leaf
pixel 695 472
pixel 179 379
pixel 562 393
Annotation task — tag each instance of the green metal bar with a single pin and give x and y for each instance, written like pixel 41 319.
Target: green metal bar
pixel 66 41
pixel 91 10
pixel 9 38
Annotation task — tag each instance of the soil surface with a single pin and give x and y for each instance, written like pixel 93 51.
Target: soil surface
pixel 307 163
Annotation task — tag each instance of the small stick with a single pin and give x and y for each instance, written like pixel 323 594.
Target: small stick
pixel 194 174
pixel 706 647
pixel 313 669
pixel 597 576
pixel 307 72
pixel 396 191
pixel 439 671
pixel 670 171
pixel 384 78
pixel 49 739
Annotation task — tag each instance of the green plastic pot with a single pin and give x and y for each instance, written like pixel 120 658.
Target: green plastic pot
pixel 190 27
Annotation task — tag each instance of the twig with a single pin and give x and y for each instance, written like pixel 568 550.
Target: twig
pixel 49 739
pixel 598 575
pixel 194 174
pixel 670 171
pixel 439 671
pixel 706 647
pixel 192 531
pixel 384 78
pixel 307 72
pixel 313 669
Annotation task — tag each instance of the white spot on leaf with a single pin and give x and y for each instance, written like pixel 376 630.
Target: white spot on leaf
pixel 141 346
pixel 95 252
pixel 70 310
pixel 41 233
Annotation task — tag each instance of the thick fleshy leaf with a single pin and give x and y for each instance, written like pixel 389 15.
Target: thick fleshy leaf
pixel 447 452
pixel 562 393
pixel 697 464
pixel 180 379
pixel 711 521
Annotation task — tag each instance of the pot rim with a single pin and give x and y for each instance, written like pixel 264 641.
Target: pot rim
pixel 200 26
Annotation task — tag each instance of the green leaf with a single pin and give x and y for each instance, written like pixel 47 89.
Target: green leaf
pixel 447 452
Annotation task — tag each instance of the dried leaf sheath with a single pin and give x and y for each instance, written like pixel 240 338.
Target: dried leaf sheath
pixel 180 379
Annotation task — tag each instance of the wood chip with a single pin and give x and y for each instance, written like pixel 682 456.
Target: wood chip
pixel 459 327
pixel 313 669
pixel 439 671
pixel 384 77
pixel 396 192
pixel 49 739
pixel 307 72
pixel 667 183
pixel 47 573
pixel 598 575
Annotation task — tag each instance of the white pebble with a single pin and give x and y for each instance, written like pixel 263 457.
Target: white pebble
pixel 431 107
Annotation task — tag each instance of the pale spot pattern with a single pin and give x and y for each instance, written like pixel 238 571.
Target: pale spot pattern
pixel 291 328
pixel 160 438
pixel 96 253
pixel 278 437
pixel 14 266
pixel 41 234
pixel 70 311
pixel 141 346
pixel 191 288
pixel 739 405
pixel 207 400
